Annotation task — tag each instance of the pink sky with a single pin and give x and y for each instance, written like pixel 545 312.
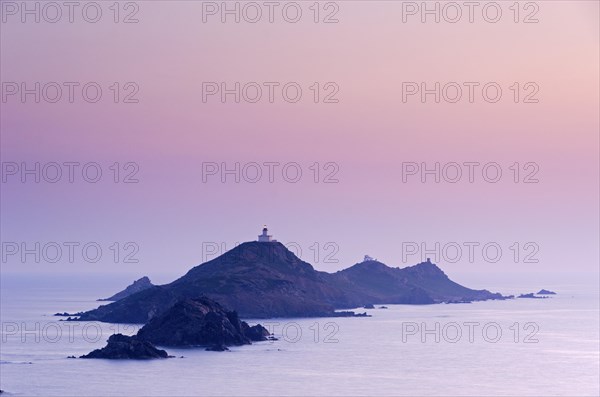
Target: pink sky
pixel 368 134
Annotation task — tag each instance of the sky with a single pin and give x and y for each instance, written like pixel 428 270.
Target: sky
pixel 335 172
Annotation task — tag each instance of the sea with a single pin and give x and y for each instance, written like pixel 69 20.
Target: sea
pixel 518 347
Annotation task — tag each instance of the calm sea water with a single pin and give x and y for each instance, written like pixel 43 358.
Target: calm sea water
pixel 519 347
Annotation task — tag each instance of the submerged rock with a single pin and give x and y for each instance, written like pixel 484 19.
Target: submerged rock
pixel 349 314
pixel 458 301
pixel 127 347
pixel 217 348
pixel 531 295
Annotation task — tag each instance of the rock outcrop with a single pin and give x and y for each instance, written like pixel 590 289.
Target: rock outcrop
pixel 256 333
pixel 137 286
pixel 127 347
pixel 200 322
pixel 65 314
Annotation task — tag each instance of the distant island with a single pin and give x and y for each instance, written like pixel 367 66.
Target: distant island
pixel 543 292
pixel 546 292
pixel 263 279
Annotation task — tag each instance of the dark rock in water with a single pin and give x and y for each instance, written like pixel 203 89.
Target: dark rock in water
pixel 546 292
pixel 383 307
pixel 71 357
pixel 255 333
pixel 137 286
pixel 65 314
pixel 458 301
pixel 216 348
pixel 265 280
pixel 348 314
pixel 531 296
pixel 369 306
pixel 200 322
pixel 127 347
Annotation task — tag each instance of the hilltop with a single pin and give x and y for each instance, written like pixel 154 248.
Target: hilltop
pixel 137 286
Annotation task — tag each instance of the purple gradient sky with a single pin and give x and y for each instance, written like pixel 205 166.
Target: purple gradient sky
pixel 170 133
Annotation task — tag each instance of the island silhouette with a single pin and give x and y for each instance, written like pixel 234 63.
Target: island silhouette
pixel 265 280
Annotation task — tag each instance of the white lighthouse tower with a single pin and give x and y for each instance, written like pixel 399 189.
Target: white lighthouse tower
pixel 265 237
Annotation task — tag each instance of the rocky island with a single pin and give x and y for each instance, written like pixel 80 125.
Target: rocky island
pixel 261 279
pixel 546 292
pixel 198 322
pixel 264 280
pixel 127 347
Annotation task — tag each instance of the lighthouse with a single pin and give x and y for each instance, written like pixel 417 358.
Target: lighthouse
pixel 265 237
